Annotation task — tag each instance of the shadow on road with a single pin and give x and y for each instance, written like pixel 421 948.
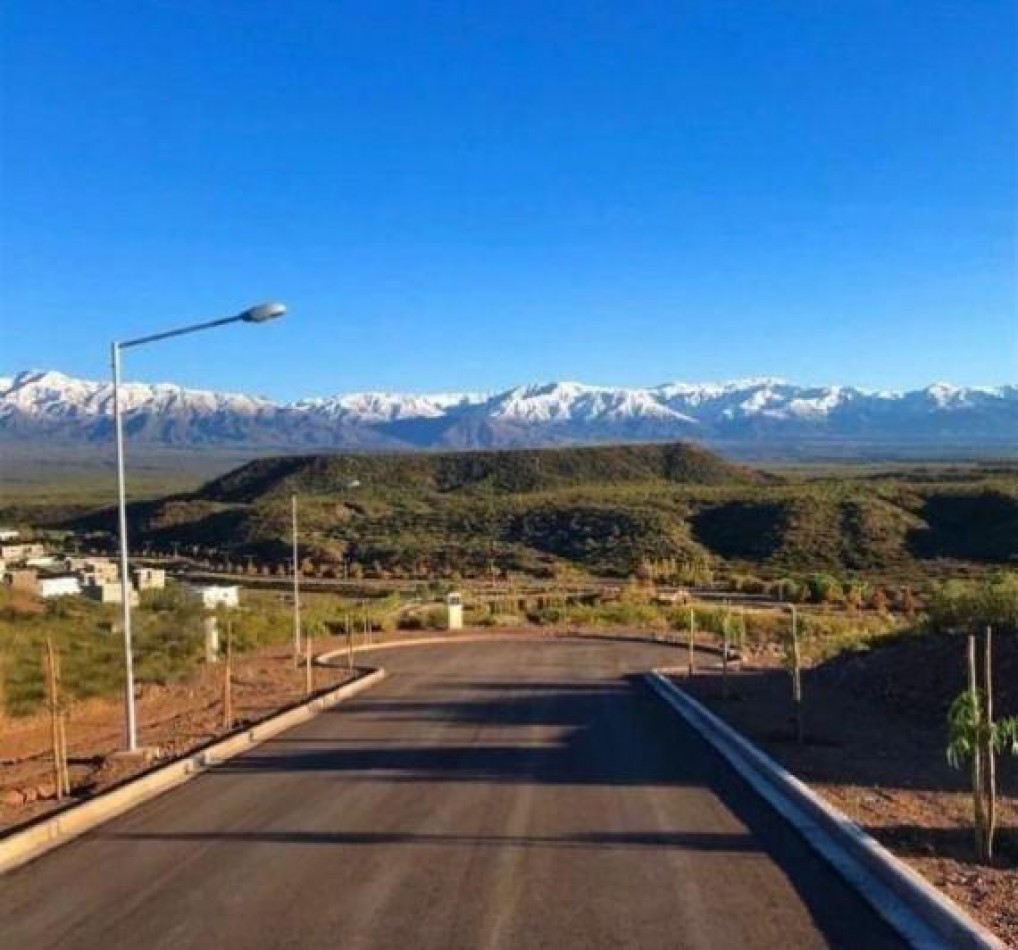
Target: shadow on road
pixel 689 841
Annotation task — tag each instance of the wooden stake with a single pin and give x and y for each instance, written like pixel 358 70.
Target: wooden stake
pixel 724 654
pixel 309 676
pixel 53 702
pixel 62 725
pixel 692 640
pixel 228 678
pixel 797 679
pixel 977 771
pixel 989 754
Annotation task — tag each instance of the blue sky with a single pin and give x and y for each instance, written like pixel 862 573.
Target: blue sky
pixel 471 195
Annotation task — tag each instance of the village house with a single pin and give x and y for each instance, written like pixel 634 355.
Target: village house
pixel 98 571
pixel 149 578
pixel 109 592
pixel 31 581
pixel 21 552
pixel 58 585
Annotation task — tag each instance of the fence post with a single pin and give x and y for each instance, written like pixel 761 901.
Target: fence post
pixel 228 678
pixel 797 678
pixel 692 640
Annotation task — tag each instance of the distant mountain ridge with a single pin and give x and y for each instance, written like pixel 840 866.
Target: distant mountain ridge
pixel 50 406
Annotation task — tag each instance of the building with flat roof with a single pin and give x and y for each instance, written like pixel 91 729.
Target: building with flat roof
pixel 58 585
pixel 19 552
pixel 22 578
pixel 42 584
pixel 109 593
pixel 149 578
pixel 98 570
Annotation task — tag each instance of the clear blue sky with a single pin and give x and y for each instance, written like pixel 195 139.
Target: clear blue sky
pixel 467 195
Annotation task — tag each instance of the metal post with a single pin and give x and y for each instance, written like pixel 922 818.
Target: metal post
pixel 296 584
pixel 257 314
pixel 125 579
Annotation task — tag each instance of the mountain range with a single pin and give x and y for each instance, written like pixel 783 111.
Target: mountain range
pixel 747 416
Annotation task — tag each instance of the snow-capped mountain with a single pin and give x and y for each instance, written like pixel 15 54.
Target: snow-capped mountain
pixel 46 405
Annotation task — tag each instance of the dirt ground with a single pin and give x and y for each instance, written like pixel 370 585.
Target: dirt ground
pixel 884 767
pixel 175 719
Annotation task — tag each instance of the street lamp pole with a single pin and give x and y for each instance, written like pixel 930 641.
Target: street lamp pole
pixel 125 580
pixel 296 583
pixel 259 314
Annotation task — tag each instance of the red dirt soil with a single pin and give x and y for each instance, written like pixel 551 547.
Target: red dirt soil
pixel 876 734
pixel 175 719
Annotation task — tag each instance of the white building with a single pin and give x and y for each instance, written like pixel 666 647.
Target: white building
pixel 97 570
pixel 109 592
pixel 149 578
pixel 19 552
pixel 216 595
pixel 9 534
pixel 58 585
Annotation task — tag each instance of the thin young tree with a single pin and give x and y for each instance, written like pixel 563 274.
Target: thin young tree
pixel 61 777
pixel 975 739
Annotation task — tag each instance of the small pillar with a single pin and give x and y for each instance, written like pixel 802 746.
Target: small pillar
pixel 211 625
pixel 454 606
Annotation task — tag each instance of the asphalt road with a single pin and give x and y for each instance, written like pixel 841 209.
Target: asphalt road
pixel 529 794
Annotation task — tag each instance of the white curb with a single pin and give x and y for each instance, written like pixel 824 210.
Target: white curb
pixel 924 916
pixel 326 659
pixel 20 847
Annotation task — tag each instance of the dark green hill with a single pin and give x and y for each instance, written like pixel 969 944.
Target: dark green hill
pixel 522 470
pixel 605 509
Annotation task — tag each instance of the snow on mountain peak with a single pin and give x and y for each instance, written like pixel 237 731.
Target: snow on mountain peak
pixel 80 408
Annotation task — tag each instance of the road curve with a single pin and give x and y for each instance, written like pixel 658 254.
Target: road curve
pixel 503 794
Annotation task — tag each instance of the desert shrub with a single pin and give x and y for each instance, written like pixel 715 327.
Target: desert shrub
pixel 770 626
pixel 825 589
pixel 967 606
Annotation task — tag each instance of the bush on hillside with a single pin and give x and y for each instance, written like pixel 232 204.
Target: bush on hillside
pixel 967 606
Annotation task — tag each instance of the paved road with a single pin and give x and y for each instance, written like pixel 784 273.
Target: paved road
pixel 528 794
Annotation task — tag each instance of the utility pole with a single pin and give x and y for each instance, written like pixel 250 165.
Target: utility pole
pixel 296 583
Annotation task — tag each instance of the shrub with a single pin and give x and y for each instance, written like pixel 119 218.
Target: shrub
pixel 825 589
pixel 967 606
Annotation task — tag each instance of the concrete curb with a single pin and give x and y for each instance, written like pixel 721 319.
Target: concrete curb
pixel 918 911
pixel 326 659
pixel 20 847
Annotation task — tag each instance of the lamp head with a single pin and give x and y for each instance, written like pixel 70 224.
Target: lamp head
pixel 263 312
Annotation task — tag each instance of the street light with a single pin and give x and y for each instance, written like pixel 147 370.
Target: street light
pixel 258 314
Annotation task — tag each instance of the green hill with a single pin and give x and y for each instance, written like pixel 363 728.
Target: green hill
pixel 605 510
pixel 522 470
